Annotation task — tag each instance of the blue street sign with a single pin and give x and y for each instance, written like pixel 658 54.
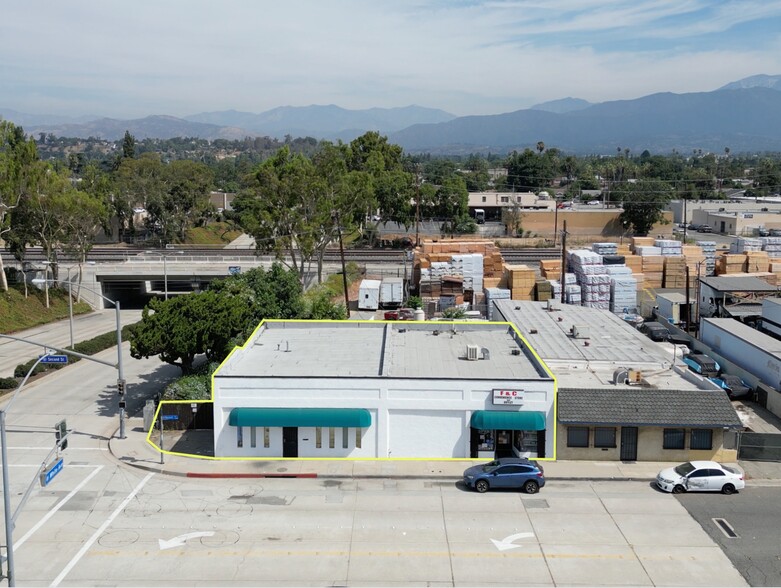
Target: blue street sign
pixel 48 475
pixel 54 359
pixel 170 417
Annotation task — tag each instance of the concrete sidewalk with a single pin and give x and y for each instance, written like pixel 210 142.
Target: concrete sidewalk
pixel 135 451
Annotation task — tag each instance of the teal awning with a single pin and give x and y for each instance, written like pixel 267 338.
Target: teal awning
pixel 503 420
pixel 300 417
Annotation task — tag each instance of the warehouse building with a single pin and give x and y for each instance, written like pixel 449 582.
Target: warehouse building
pixel 622 396
pixel 352 389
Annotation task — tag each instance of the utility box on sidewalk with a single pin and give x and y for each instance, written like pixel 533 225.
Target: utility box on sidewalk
pixel 149 414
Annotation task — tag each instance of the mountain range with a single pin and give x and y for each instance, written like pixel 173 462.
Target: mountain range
pixel 744 115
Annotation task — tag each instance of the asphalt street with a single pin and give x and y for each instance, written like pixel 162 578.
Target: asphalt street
pixel 85 326
pixel 754 516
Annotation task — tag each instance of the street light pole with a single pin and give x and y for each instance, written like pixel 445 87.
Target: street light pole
pixel 9 523
pixel 70 305
pixel 165 275
pixel 119 366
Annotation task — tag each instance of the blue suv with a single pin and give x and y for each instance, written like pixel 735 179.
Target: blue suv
pixel 506 472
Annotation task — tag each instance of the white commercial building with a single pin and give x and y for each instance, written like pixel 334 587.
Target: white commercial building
pixel 351 389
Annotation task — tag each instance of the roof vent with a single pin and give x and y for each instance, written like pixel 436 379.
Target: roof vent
pixel 551 305
pixel 516 351
pixel 471 352
pixel 485 352
pixel 580 332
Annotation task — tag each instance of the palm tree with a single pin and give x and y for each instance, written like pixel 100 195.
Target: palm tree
pixel 540 146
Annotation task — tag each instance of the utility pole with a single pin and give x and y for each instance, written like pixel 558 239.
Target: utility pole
pixel 563 261
pixel 417 206
pixel 344 268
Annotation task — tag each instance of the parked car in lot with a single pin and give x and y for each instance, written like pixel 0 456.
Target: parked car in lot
pixel 400 314
pixel 655 331
pixel 506 472
pixel 732 385
pixel 775 232
pixel 701 364
pixel 693 227
pixel 705 229
pixel 700 476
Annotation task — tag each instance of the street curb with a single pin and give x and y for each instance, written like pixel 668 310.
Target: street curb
pixel 242 475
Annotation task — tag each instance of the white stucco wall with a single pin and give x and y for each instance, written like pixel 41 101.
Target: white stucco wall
pixel 410 417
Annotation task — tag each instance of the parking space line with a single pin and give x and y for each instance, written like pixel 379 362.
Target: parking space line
pixel 56 507
pixel 99 532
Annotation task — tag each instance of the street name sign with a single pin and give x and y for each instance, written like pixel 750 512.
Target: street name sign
pixel 54 359
pixel 170 417
pixel 48 474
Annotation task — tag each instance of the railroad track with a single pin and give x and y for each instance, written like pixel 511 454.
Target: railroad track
pixel 115 254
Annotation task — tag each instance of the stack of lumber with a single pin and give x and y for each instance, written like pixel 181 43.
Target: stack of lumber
pixel 550 268
pixel 544 290
pixel 452 286
pixel 454 258
pixel 634 262
pixel 757 261
pixel 675 272
pixel 731 263
pixel 520 281
pixel 653 271
pixel 642 242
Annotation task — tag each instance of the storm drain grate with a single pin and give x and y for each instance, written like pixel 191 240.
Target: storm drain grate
pixel 726 528
pixel 536 503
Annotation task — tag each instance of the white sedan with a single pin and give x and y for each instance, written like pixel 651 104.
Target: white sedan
pixel 700 476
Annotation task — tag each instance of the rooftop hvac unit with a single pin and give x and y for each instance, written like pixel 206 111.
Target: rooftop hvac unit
pixel 472 352
pixel 580 332
pixel 620 376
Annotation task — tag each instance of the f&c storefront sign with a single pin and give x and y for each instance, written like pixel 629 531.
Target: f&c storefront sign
pixel 508 397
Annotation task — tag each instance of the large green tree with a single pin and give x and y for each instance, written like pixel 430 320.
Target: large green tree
pixel 17 154
pixel 643 202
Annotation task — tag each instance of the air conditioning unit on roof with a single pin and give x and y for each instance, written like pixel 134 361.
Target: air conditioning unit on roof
pixel 472 352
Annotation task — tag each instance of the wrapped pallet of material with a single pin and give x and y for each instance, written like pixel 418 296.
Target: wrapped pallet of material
pixel 648 250
pixel 595 290
pixel 572 294
pixel 618 270
pixel 623 294
pixel 640 279
pixel 492 294
pixel 771 246
pixel 709 251
pixel 605 248
pixel 744 244
pixel 669 247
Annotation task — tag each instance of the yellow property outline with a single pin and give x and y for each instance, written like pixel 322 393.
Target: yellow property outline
pixel 266 458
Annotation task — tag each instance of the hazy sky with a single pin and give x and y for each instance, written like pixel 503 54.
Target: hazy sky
pixel 138 57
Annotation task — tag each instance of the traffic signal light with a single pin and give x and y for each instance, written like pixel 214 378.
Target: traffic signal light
pixel 60 434
pixel 121 387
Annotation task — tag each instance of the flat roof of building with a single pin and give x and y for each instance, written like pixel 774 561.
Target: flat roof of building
pixel 590 361
pixel 738 284
pixel 750 335
pixel 353 349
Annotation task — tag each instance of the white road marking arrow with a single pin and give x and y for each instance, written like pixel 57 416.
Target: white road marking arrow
pixel 182 539
pixel 507 542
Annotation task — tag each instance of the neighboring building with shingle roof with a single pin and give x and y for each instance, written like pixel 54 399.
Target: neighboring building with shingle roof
pixel 621 395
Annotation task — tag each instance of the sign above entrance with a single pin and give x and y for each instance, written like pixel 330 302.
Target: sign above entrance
pixel 508 396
